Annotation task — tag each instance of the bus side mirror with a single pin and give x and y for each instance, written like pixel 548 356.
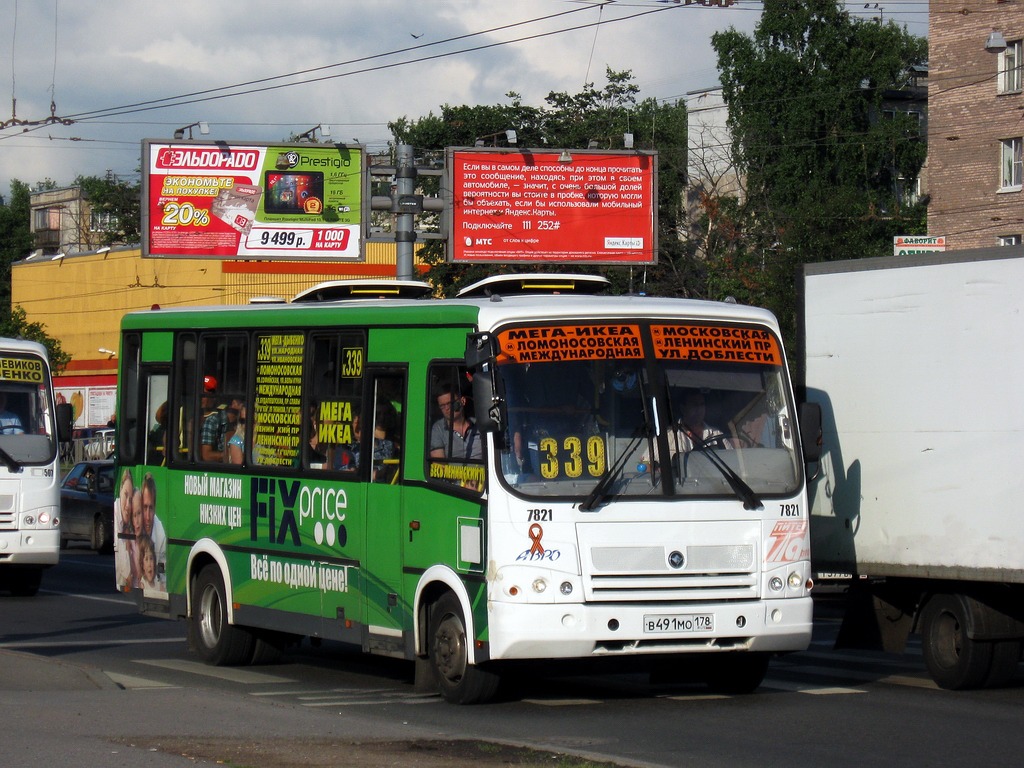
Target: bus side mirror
pixel 810 431
pixel 490 406
pixel 65 420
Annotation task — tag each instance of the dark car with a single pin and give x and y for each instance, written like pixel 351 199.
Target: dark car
pixel 87 505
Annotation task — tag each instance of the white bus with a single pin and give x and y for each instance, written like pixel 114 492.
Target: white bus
pixel 29 468
pixel 514 474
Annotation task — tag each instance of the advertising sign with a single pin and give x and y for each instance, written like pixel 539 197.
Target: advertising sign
pixel 225 201
pixel 906 245
pixel 552 206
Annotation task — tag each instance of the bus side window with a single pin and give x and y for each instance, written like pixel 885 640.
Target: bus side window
pixel 387 428
pixel 454 444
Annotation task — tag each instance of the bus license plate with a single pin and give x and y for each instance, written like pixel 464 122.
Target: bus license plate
pixel 685 622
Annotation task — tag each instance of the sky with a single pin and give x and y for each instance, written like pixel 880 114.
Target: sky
pixel 120 71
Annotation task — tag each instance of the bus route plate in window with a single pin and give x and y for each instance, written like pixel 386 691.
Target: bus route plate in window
pixel 655 624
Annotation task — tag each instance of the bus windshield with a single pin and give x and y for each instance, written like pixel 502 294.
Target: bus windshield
pixel 26 435
pixel 648 410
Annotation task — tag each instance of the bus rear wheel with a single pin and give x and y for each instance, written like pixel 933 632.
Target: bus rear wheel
pixel 215 640
pixel 459 681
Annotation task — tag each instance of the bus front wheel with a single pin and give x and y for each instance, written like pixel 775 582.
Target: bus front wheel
pixel 215 640
pixel 459 681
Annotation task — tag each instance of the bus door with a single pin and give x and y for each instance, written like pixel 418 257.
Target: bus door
pixel 388 612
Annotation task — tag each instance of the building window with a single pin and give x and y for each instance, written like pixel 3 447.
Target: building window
pixel 102 221
pixel 1010 164
pixel 1009 240
pixel 1010 68
pixel 47 218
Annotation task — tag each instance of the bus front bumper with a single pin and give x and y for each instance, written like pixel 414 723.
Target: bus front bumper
pixel 544 631
pixel 30 547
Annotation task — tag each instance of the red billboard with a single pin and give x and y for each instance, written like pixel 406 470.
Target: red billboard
pixel 552 206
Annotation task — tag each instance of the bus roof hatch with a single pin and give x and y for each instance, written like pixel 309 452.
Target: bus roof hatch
pixel 535 284
pixel 342 290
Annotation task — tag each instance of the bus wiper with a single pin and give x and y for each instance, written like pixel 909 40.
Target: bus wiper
pixel 600 489
pixel 738 485
pixel 644 431
pixel 12 464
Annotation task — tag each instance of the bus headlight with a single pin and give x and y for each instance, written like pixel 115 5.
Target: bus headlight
pixel 775 584
pixel 795 580
pixel 540 586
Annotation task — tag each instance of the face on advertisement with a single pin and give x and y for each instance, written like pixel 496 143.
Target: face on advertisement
pixel 148 504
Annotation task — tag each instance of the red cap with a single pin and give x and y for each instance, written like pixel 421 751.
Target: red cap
pixel 209 384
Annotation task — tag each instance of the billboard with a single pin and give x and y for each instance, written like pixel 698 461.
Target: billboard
pixel 535 206
pixel 906 245
pixel 227 201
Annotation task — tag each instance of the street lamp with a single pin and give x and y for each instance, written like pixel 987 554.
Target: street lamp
pixel 996 43
pixel 204 128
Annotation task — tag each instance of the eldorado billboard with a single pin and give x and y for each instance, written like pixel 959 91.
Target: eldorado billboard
pixel 552 206
pixel 240 200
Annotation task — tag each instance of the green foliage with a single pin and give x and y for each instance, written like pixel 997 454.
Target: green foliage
pixel 120 200
pixel 573 121
pixel 821 163
pixel 15 237
pixel 15 325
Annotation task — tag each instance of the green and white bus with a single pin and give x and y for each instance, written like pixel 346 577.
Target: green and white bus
pixel 512 474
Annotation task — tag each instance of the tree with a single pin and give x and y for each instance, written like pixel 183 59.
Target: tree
pixel 16 244
pixel 15 238
pixel 822 167
pixel 15 325
pixel 116 205
pixel 574 121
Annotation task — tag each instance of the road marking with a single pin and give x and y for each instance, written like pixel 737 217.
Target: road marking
pixel 231 674
pixel 815 690
pixel 913 682
pixel 562 702
pixel 85 643
pixel 130 682
pixel 119 601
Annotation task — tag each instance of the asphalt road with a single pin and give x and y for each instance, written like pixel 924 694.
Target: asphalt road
pixel 84 677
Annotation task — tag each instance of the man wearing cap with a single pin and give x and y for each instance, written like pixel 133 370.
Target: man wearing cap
pixel 211 446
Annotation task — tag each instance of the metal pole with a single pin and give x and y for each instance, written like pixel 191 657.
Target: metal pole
pixel 405 223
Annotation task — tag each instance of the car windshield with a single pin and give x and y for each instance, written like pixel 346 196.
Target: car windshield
pixel 633 419
pixel 25 423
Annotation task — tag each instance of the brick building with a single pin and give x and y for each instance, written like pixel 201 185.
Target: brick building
pixel 976 129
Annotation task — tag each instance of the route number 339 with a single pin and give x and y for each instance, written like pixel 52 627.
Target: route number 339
pixel 572 457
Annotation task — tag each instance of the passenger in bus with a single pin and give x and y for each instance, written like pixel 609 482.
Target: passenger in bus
pixel 158 436
pixel 236 443
pixel 316 457
pixel 385 447
pixel 10 422
pixel 214 423
pixel 691 430
pixel 454 435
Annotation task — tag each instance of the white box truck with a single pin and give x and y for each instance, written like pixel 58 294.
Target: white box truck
pixel 920 489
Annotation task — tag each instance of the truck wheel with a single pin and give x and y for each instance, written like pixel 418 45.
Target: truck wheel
pixel 736 673
pixel 216 641
pixel 459 681
pixel 954 660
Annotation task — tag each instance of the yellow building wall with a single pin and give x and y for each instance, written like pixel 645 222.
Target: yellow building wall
pixel 80 299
